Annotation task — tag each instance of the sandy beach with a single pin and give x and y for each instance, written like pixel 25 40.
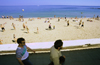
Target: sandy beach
pixel 61 31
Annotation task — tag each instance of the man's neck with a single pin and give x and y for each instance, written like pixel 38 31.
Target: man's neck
pixel 56 49
pixel 20 46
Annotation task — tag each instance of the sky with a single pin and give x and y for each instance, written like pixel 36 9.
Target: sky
pixel 50 2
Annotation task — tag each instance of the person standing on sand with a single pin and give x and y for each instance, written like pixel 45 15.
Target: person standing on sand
pixel 58 19
pixel 21 52
pixel 3 17
pixel 2 27
pixel 54 27
pixel 50 26
pixel 68 23
pixel 97 17
pixel 82 24
pixel 55 52
pixel 14 38
pixel 65 17
pixel 26 26
pixel 7 16
pixel 27 29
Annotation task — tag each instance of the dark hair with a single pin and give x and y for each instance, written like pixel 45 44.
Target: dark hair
pixel 19 40
pixel 61 59
pixel 58 43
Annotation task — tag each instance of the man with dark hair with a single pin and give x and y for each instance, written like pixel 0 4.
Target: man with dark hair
pixel 55 52
pixel 21 52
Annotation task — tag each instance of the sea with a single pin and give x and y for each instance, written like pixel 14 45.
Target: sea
pixel 30 11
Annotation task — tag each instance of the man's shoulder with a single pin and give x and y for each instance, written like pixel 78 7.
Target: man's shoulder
pixel 18 49
pixel 53 50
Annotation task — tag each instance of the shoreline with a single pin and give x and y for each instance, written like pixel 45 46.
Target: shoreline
pixel 48 17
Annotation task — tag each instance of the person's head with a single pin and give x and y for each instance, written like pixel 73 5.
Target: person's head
pixel 21 41
pixel 58 44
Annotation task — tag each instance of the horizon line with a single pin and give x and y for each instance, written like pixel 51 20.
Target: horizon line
pixel 50 5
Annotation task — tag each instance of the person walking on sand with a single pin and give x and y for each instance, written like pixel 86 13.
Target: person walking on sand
pixel 55 52
pixel 27 29
pixel 13 26
pixel 80 22
pixel 37 30
pixel 21 52
pixel 24 26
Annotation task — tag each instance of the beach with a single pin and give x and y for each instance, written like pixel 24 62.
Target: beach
pixel 62 31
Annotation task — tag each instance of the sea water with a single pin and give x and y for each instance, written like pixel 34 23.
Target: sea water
pixel 29 11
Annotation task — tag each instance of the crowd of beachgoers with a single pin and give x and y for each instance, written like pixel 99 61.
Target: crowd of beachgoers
pixel 55 23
